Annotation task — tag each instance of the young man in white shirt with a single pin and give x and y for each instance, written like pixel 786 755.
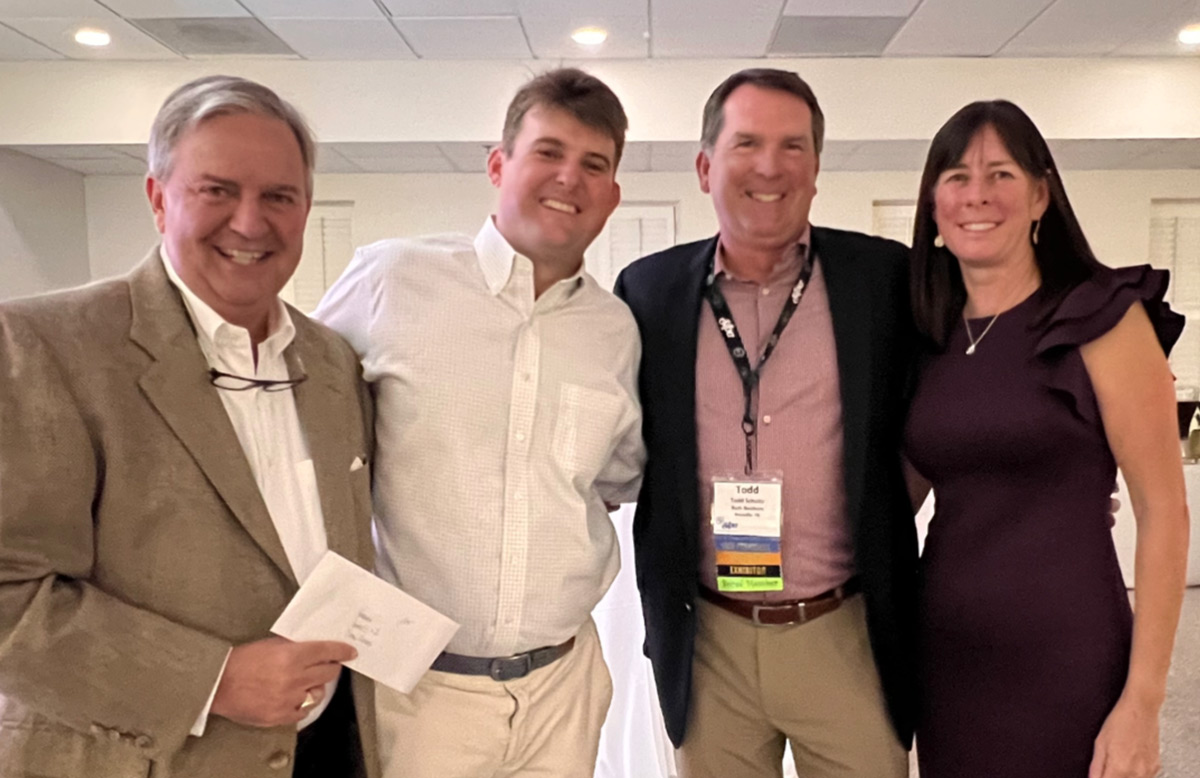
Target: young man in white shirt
pixel 507 416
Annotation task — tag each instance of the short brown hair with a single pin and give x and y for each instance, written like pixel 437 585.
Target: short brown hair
pixel 584 96
pixel 764 78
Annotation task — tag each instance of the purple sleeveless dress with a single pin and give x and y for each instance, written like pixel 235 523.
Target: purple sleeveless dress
pixel 1024 620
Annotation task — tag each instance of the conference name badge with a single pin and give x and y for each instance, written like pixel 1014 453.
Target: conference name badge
pixel 747 517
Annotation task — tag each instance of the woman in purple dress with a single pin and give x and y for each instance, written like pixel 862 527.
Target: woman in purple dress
pixel 1043 372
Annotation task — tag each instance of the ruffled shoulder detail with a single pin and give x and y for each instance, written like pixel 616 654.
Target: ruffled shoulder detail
pixel 1090 310
pixel 1098 304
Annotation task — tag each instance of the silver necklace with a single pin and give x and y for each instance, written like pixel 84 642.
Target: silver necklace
pixel 975 341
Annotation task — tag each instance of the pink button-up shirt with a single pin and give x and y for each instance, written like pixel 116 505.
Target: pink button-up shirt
pixel 799 411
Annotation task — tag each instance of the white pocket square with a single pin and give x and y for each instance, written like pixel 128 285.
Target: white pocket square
pixel 357 464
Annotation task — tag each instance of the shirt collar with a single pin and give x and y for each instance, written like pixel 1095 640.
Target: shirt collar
pixel 495 255
pixel 789 261
pixel 280 330
pixel 497 258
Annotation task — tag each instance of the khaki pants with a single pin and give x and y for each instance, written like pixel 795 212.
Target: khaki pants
pixel 814 684
pixel 545 725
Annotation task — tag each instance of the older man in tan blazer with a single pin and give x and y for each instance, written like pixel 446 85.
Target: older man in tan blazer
pixel 177 449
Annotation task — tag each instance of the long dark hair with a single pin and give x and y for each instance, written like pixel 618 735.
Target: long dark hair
pixel 1062 253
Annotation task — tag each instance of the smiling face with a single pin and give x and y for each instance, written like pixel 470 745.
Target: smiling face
pixel 232 212
pixel 985 205
pixel 762 170
pixel 557 187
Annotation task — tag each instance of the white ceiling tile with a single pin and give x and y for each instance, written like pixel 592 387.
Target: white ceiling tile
pixel 244 36
pixel 849 7
pixel 314 9
pixel 175 9
pixel 397 150
pixel 886 155
pixel 467 157
pixel 673 156
pixel 550 37
pixel 16 47
pixel 499 37
pixel 90 160
pixel 330 161
pixel 1160 36
pixel 833 152
pixel 635 158
pixel 438 164
pixel 712 28
pixel 971 28
pixel 48 9
pixel 121 166
pixel 1086 28
pixel 1172 154
pixel 834 35
pixel 451 7
pixel 530 9
pixel 1095 154
pixel 346 39
pixel 56 152
pixel 128 42
pixel 135 150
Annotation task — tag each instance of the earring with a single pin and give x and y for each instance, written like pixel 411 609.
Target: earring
pixel 940 242
pixel 1037 225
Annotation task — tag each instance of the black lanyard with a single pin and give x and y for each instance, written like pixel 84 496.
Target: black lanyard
pixel 737 350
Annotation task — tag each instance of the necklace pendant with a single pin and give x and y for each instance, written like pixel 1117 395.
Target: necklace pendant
pixel 970 349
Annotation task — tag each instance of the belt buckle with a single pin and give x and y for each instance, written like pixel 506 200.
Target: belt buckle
pixel 521 665
pixel 759 607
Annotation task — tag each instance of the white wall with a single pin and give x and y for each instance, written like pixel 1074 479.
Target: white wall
pixel 43 235
pixel 866 98
pixel 120 229
pixel 1114 206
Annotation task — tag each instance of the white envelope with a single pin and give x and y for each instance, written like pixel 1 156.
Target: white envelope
pixel 396 635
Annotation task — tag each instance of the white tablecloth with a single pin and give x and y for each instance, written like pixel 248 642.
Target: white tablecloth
pixel 633 742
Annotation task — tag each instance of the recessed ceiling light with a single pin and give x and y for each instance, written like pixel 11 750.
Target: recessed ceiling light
pixel 1190 34
pixel 590 36
pixel 91 37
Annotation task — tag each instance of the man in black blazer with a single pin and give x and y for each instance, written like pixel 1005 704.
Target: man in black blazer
pixel 806 636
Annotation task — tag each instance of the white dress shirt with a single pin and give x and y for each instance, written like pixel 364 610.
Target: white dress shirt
pixel 272 439
pixel 503 425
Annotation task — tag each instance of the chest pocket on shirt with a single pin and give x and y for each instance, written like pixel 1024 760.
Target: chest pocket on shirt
pixel 583 429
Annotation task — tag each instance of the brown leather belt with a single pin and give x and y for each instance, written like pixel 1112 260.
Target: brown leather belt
pixel 502 668
pixel 789 612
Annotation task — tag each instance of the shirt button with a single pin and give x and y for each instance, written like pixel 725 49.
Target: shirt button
pixel 766 419
pixel 766 291
pixel 144 741
pixel 520 436
pixel 279 760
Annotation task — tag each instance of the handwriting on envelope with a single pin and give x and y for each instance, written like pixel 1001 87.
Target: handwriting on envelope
pixel 396 635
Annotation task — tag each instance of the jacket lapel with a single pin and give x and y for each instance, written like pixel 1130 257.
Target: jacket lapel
pixel 177 385
pixel 318 401
pixel 682 325
pixel 846 282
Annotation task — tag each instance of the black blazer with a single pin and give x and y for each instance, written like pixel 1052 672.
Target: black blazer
pixel 867 282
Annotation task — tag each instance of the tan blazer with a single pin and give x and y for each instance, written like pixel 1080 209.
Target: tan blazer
pixel 135 548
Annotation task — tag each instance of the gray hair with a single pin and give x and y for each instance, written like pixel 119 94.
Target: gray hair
pixel 210 96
